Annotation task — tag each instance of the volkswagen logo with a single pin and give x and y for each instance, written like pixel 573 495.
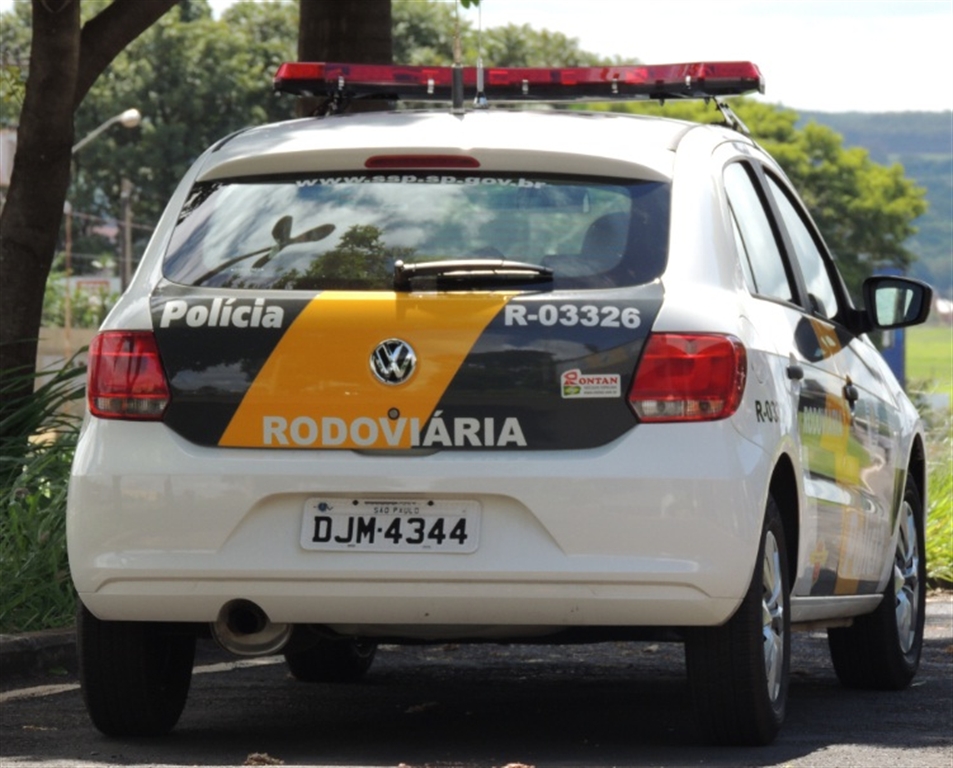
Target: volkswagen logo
pixel 393 361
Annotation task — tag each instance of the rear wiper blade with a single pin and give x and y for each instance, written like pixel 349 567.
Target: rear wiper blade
pixel 479 271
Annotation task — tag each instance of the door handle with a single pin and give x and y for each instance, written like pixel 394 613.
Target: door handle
pixel 851 393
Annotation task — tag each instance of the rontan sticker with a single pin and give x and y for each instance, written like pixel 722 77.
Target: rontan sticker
pixel 575 384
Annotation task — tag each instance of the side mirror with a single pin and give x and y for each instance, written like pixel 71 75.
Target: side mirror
pixel 896 302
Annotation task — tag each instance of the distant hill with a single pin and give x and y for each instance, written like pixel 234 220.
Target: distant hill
pixel 922 142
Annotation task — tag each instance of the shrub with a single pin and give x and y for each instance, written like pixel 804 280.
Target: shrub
pixel 939 528
pixel 88 308
pixel 37 441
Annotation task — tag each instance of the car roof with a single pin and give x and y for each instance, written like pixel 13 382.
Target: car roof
pixel 592 144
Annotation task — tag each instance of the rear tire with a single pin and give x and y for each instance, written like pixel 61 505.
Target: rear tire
pixel 738 672
pixel 332 661
pixel 881 651
pixel 135 675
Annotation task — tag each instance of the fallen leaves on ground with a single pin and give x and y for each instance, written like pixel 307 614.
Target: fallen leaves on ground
pixel 262 758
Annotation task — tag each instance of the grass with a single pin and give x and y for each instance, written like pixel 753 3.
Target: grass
pixel 939 530
pixel 930 358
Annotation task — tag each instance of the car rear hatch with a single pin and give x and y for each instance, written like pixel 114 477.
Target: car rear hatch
pixel 401 310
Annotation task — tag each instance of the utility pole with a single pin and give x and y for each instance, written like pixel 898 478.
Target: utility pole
pixel 125 197
pixel 67 295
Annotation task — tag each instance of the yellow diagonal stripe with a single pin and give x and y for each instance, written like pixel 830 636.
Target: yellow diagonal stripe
pixel 321 367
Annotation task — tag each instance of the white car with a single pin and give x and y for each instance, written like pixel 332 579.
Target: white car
pixel 475 374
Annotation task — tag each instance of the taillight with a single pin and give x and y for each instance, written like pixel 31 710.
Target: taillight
pixel 689 377
pixel 126 379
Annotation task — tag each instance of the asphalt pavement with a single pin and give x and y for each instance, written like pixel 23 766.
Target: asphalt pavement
pixel 33 653
pixel 618 704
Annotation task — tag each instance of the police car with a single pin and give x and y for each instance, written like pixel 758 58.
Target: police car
pixel 474 374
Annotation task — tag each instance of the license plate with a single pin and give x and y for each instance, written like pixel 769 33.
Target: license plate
pixel 388 525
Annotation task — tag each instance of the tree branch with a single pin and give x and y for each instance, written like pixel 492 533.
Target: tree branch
pixel 108 33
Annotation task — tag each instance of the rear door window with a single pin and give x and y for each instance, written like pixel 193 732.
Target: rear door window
pixel 820 287
pixel 346 232
pixel 764 263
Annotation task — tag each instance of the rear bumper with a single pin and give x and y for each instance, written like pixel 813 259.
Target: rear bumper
pixel 641 532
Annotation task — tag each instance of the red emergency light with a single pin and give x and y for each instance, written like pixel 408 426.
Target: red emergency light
pixel 666 81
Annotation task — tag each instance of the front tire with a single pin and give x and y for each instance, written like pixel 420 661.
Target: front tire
pixel 332 661
pixel 135 675
pixel 738 672
pixel 881 651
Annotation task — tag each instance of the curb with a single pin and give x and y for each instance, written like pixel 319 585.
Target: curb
pixel 37 652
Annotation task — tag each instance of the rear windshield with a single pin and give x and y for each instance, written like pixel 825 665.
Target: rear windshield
pixel 347 232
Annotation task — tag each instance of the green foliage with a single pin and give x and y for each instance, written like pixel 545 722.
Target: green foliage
pixel 37 441
pixel 361 260
pixel 12 90
pixel 939 529
pixel 14 58
pixel 864 210
pixel 195 80
pixel 889 135
pixel 933 241
pixel 423 33
pixel 87 308
pixel 923 143
pixel 929 359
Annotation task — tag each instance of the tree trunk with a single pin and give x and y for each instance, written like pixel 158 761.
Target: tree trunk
pixel 354 31
pixel 30 222
pixel 65 60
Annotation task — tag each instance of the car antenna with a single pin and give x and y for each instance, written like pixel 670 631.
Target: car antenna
pixel 731 119
pixel 456 84
pixel 479 101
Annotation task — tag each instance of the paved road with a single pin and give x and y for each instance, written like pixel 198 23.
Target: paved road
pixel 613 704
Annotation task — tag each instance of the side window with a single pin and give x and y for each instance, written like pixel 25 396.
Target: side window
pixel 743 257
pixel 820 289
pixel 760 245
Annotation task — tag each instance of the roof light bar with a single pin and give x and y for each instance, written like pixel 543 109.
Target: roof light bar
pixel 667 81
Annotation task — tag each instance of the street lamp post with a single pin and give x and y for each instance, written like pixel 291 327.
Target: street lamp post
pixel 125 197
pixel 128 119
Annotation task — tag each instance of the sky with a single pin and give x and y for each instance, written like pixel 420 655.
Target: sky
pixel 832 56
pixel 828 56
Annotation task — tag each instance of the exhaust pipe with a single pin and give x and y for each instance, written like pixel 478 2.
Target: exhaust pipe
pixel 244 629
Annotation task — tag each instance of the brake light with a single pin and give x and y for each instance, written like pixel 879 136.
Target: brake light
pixel 125 377
pixel 421 161
pixel 689 377
pixel 666 81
